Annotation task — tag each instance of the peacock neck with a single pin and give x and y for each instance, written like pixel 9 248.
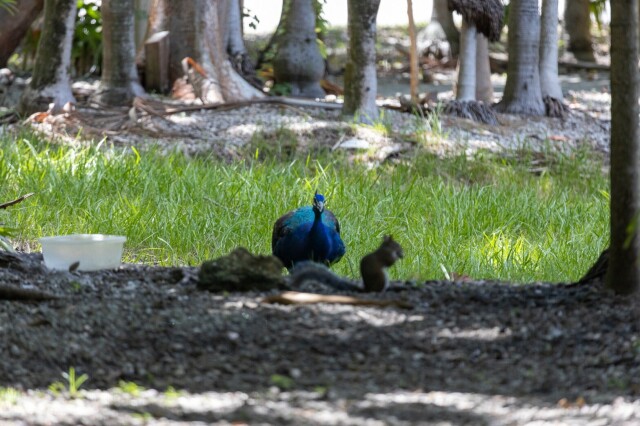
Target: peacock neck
pixel 318 235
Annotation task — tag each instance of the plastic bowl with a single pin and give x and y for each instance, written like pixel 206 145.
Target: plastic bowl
pixel 92 251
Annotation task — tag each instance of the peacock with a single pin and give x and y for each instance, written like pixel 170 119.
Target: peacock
pixel 308 233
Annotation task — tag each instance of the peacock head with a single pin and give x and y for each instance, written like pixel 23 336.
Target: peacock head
pixel 318 202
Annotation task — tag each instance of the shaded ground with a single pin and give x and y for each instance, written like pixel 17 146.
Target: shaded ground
pixel 467 353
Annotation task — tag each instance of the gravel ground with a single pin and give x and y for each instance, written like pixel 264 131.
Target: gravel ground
pixel 468 353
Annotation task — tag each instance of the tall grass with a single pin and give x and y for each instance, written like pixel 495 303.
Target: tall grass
pixel 485 217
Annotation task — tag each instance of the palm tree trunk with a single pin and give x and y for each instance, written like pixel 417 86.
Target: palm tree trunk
pixel 522 93
pixel 549 81
pixel 50 82
pixel 360 79
pixel 119 83
pixel 15 24
pixel 577 21
pixel 466 87
pixel 484 87
pixel 623 274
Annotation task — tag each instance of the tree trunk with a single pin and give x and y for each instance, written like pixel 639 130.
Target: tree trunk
pixel 233 41
pixel 577 22
pixel 484 87
pixel 623 274
pixel 197 31
pixel 444 16
pixel 50 80
pixel 298 61
pixel 549 81
pixel 119 83
pixel 413 55
pixel 157 22
pixel 360 80
pixel 466 84
pixel 14 25
pixel 522 94
pixel 268 51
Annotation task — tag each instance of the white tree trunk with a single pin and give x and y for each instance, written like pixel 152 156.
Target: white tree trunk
pixel 466 87
pixel 549 81
pixel 484 87
pixel 50 83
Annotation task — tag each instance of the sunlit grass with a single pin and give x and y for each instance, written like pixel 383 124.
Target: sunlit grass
pixel 485 217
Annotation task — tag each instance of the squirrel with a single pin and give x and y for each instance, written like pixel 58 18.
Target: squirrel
pixel 373 268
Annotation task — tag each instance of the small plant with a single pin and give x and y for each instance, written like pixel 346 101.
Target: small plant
pixel 283 382
pixel 73 383
pixel 9 395
pixel 130 388
pixel 172 393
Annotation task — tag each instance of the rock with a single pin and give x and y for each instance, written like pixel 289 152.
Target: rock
pixel 241 271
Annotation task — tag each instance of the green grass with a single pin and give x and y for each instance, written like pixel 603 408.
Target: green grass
pixel 485 217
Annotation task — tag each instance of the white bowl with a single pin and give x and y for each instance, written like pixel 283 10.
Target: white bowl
pixel 93 251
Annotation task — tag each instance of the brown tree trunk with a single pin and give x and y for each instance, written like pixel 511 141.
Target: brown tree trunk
pixel 623 273
pixel 577 22
pixel 413 55
pixel 522 94
pixel 360 80
pixel 50 82
pixel 119 83
pixel 14 24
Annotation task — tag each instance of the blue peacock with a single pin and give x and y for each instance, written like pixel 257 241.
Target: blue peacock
pixel 308 233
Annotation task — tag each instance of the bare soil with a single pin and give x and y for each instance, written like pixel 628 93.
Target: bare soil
pixel 466 353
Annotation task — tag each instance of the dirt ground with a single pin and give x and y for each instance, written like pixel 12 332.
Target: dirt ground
pixel 159 351
pixel 469 353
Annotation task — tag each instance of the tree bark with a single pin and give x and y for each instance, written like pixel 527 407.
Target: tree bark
pixel 233 40
pixel 15 24
pixel 360 79
pixel 466 84
pixel 623 274
pixel 50 82
pixel 119 84
pixel 522 94
pixel 443 15
pixel 413 55
pixel 298 61
pixel 549 81
pixel 484 87
pixel 577 22
pixel 197 30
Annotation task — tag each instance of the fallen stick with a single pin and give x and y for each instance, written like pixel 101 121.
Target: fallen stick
pixel 16 201
pixel 298 298
pixel 8 292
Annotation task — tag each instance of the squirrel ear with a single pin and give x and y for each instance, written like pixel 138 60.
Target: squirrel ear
pixel 387 238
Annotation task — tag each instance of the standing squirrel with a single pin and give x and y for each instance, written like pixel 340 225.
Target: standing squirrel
pixel 373 268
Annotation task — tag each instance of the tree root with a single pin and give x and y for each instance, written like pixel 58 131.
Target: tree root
pixel 473 110
pixel 555 107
